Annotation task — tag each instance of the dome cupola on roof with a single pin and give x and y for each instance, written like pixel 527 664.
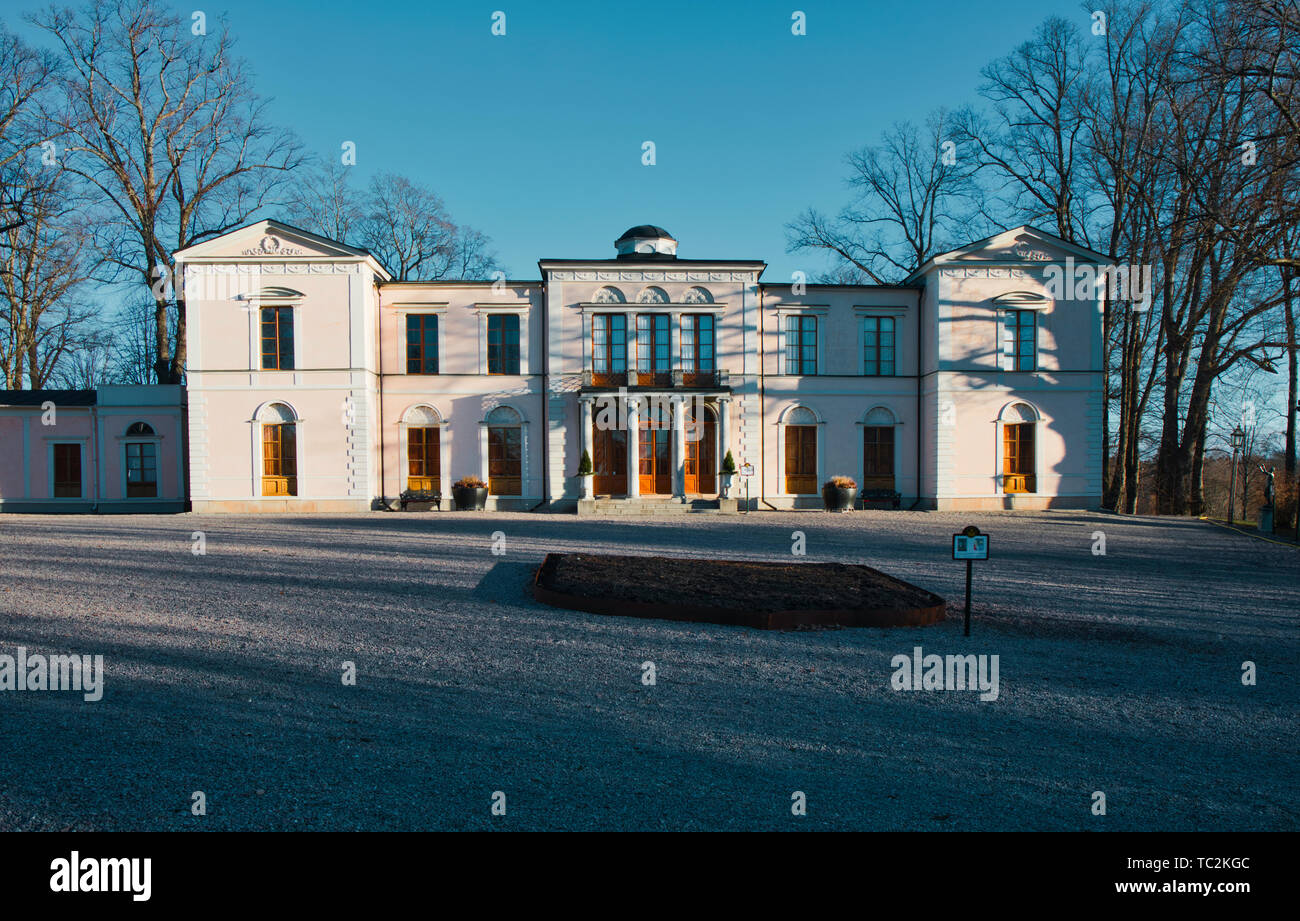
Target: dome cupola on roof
pixel 646 241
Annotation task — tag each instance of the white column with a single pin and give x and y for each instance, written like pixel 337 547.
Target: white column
pixel 724 429
pixel 724 439
pixel 633 449
pixel 679 448
pixel 631 344
pixel 675 342
pixel 588 488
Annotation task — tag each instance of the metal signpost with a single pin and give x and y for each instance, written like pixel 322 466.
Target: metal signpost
pixel 969 545
pixel 746 471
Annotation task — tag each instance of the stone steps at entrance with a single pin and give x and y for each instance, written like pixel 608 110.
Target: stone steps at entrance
pixel 645 507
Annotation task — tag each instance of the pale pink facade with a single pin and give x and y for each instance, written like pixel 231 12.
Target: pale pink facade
pixel 379 387
pixel 116 449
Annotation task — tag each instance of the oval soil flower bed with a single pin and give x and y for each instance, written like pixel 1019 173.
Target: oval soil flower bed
pixel 770 596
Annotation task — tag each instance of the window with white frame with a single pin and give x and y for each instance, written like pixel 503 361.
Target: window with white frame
pixel 801 344
pixel 1019 340
pixel 878 346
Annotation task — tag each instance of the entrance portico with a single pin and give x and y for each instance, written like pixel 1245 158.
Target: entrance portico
pixel 653 444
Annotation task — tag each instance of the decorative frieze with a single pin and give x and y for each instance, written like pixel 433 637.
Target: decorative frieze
pixel 647 276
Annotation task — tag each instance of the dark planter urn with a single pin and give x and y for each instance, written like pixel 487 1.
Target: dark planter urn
pixel 469 497
pixel 839 498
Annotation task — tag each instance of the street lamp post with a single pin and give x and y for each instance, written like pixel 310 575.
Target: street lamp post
pixel 1238 441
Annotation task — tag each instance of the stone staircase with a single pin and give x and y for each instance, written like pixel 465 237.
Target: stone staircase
pixel 648 507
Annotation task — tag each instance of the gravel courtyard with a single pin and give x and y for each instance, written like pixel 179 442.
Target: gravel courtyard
pixel 1118 673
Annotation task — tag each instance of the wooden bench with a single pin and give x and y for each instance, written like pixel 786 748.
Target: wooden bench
pixel 894 499
pixel 422 498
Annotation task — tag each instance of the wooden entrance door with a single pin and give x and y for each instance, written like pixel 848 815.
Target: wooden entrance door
pixel 702 456
pixel 1018 457
pixel 800 459
pixel 609 461
pixel 279 459
pixel 655 456
pixel 877 457
pixel 423 459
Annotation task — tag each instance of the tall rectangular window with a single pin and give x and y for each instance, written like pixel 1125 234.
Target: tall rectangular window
pixel 652 344
pixel 878 346
pixel 1019 340
pixel 503 343
pixel 277 338
pixel 608 348
pixel 421 343
pixel 800 344
pixel 697 347
pixel 141 470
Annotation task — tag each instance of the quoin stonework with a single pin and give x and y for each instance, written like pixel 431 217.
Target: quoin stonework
pixel 318 383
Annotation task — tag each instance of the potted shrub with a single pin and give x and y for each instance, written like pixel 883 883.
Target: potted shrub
pixel 470 492
pixel 587 472
pixel 728 471
pixel 839 494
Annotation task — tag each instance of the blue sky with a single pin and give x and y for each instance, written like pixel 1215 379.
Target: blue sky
pixel 535 137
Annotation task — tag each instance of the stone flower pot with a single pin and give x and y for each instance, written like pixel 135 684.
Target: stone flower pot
pixel 469 498
pixel 839 498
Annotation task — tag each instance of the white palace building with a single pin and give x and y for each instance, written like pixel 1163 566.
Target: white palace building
pixel 317 383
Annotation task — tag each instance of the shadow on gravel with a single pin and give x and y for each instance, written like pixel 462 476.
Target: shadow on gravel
pixel 506 582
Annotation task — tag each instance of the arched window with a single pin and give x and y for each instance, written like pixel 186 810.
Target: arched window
pixel 505 452
pixel 1019 448
pixel 279 450
pixel 652 295
pixel 609 295
pixel 801 451
pixel 423 449
pixel 141 462
pixel 878 449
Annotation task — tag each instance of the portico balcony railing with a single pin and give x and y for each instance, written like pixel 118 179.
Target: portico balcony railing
pixel 655 380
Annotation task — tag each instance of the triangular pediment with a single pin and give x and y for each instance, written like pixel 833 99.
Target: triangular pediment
pixel 1024 246
pixel 270 239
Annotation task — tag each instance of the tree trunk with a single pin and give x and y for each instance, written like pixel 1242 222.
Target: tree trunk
pixel 178 356
pixel 1289 460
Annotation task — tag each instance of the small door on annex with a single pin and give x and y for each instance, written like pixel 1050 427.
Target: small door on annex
pixel 67 471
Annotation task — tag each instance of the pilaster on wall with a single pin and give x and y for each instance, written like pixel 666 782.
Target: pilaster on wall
pixel 558 462
pixel 944 411
pixel 358 422
pixel 199 446
pixel 1094 485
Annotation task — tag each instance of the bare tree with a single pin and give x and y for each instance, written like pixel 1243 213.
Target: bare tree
pixel 324 201
pixel 1030 141
pixel 404 224
pixel 165 125
pixel 912 201
pixel 26 80
pixel 44 261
